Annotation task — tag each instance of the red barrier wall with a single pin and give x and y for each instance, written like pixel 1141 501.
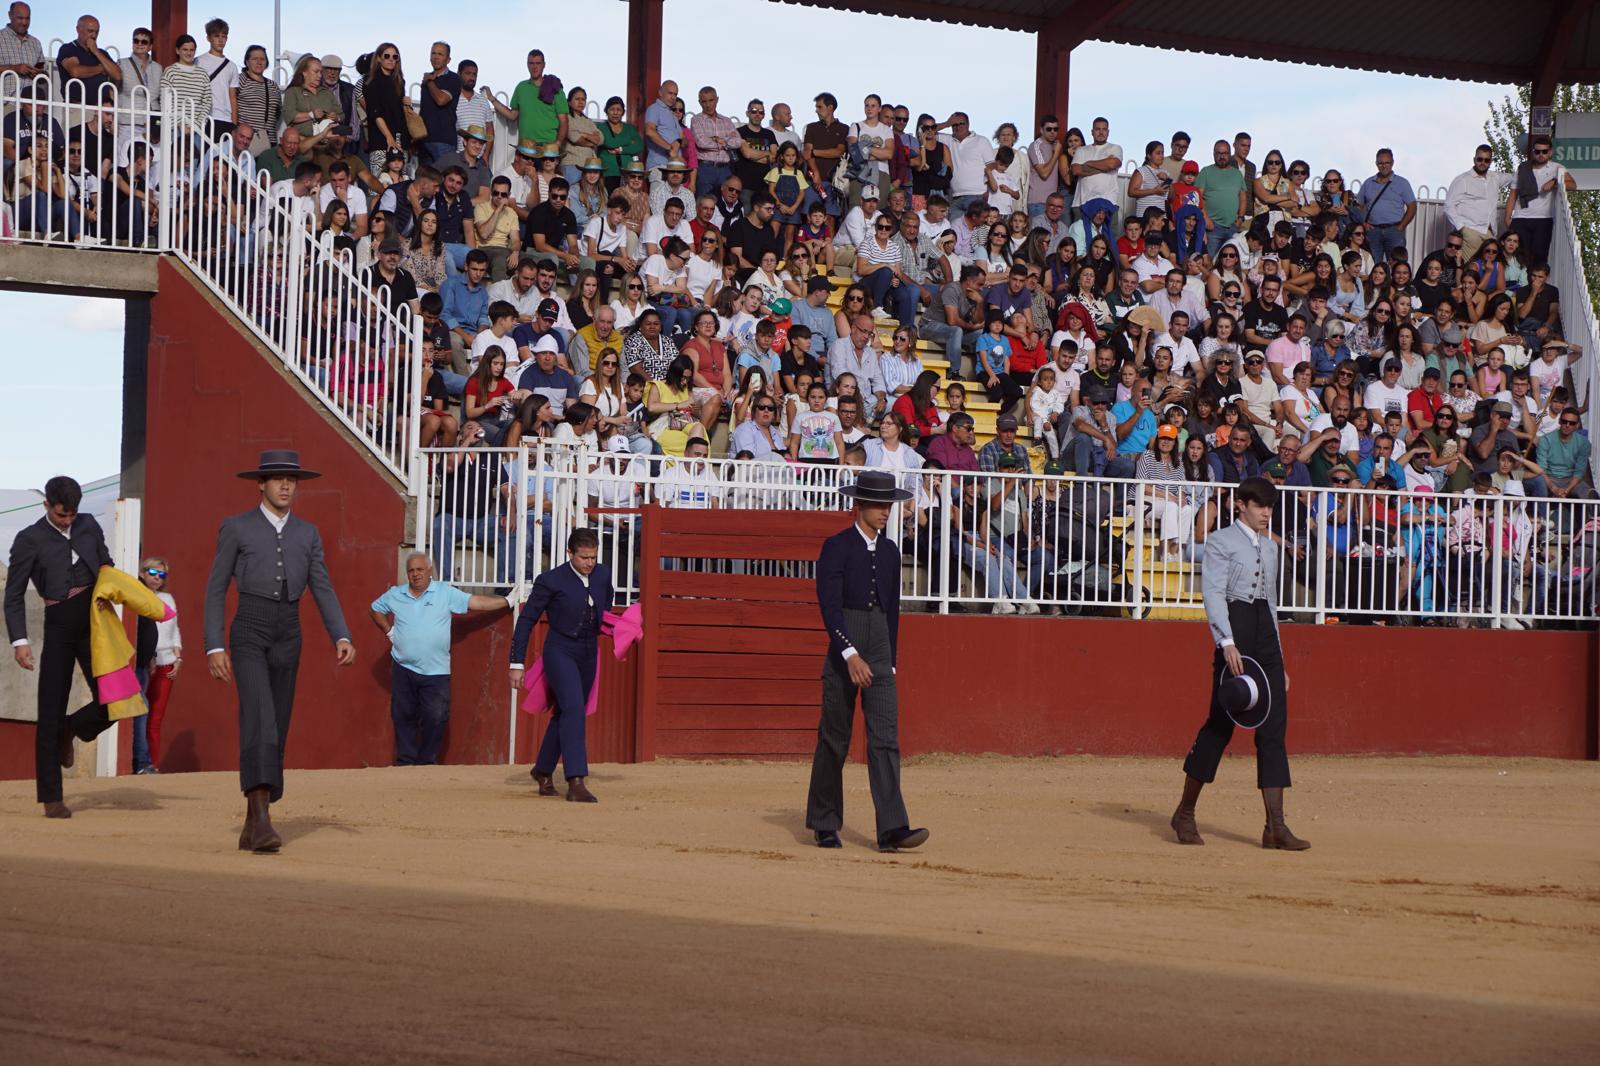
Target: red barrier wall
pixel 1113 687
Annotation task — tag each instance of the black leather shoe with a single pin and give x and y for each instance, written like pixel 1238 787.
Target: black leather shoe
pixel 902 839
pixel 828 838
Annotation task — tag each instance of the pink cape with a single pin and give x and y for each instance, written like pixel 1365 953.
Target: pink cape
pixel 625 629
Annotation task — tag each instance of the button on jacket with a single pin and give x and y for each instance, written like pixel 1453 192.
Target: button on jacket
pixel 1237 569
pixel 851 576
pixel 278 566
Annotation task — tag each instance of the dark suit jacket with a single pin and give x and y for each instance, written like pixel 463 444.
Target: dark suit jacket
pixel 845 573
pixel 42 555
pixel 250 551
pixel 560 595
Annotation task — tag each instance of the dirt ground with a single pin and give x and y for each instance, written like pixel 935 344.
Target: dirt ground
pixel 1449 911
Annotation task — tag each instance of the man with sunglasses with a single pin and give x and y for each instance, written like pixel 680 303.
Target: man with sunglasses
pixel 1471 200
pixel 1564 457
pixel 1044 159
pixel 552 229
pixel 1530 210
pixel 758 150
pixel 498 229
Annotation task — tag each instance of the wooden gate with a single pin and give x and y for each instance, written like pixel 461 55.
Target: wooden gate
pixel 732 660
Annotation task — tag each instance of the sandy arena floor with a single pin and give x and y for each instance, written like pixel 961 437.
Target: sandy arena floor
pixel 1449 912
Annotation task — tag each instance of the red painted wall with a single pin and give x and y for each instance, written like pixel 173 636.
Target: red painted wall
pixel 1113 687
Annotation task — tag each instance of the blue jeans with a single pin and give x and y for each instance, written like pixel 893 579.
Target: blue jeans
pixel 1216 237
pixel 708 178
pixel 40 212
pixel 993 575
pixel 1381 240
pixel 420 707
pixel 1035 211
pixel 454 384
pixel 450 530
pixel 958 204
pixel 430 152
pixel 950 336
pixel 673 319
pixel 1122 466
pixel 1085 455
pixel 141 737
pixel 899 300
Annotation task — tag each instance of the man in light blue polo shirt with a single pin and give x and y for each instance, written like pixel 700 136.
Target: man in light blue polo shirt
pixel 1387 205
pixel 416 619
pixel 1136 424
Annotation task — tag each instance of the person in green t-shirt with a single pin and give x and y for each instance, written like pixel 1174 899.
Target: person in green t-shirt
pixel 541 123
pixel 1223 186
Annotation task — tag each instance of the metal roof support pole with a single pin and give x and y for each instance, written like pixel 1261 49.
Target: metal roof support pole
pixel 644 57
pixel 169 19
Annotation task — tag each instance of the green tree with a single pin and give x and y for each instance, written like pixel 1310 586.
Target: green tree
pixel 1507 131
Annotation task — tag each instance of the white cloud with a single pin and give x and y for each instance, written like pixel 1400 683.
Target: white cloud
pixel 87 314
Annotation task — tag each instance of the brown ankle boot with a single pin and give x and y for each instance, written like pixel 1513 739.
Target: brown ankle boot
pixel 262 838
pixel 546 782
pixel 1276 834
pixel 578 792
pixel 1183 818
pixel 57 809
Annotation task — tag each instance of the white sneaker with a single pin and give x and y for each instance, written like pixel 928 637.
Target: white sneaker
pixel 1027 607
pixel 1005 607
pixel 1509 622
pixel 880 315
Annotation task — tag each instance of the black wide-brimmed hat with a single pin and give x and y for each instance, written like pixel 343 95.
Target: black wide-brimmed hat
pixel 279 462
pixel 875 486
pixel 1246 698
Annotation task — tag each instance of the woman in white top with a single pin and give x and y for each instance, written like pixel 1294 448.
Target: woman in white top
pixel 765 277
pixel 1412 363
pixel 631 304
pixel 704 269
pixel 995 256
pixel 603 389
pixel 797 271
pixel 577 426
pixel 1228 270
pixel 158 674
pixel 1298 402
pixel 1016 175
pixel 1261 399
pixel 890 451
pixel 1149 185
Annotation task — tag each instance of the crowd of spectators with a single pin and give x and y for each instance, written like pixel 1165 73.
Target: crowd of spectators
pixel 680 281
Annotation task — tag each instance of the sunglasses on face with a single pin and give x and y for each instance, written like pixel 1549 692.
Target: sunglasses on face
pixel 609 362
pixel 635 288
pixel 497 194
pixel 883 229
pixel 765 407
pixel 153 572
pixel 141 40
pixel 1458 384
pixel 1300 172
pixel 1381 311
pixel 389 55
pixel 1232 294
pixel 1339 481
pixel 1482 159
pixel 1454 246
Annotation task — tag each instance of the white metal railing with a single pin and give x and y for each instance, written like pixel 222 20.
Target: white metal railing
pixel 1578 323
pixel 1006 542
pixel 256 247
pixel 55 195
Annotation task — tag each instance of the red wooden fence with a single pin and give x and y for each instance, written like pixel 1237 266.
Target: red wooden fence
pixel 732 663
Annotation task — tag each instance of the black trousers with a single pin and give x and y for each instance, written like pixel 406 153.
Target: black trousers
pixel 66 644
pixel 265 642
pixel 420 707
pixel 1256 636
pixel 869 632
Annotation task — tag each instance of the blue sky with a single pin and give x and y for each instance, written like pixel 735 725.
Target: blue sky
pixel 1329 117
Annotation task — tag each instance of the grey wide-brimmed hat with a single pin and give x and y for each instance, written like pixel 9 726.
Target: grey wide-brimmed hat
pixel 875 486
pixel 279 463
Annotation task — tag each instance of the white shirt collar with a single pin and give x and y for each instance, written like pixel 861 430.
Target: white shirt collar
pixel 277 523
pixel 1255 538
pixel 872 541
pixel 581 577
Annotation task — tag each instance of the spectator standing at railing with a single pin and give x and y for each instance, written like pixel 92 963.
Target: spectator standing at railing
pixel 223 77
pixel 383 92
pixel 82 59
pixel 1531 208
pixel 141 83
pixel 260 99
pixel 441 93
pixel 1472 199
pixel 416 618
pixel 20 51
pixel 1387 205
pixel 538 107
pixel 472 106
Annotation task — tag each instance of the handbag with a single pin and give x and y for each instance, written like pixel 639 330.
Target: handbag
pixel 414 124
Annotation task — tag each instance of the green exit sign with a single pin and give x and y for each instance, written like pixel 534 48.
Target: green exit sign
pixel 1575 152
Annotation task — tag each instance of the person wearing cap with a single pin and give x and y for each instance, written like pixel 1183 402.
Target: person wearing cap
pixel 1239 581
pixel 274 557
pixel 1492 438
pixel 391 280
pixel 1385 394
pixel 855 229
pixel 543 376
pixel 1089 437
pixel 1425 400
pixel 858 595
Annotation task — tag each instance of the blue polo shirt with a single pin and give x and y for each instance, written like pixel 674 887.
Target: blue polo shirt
pixel 422 625
pixel 665 121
